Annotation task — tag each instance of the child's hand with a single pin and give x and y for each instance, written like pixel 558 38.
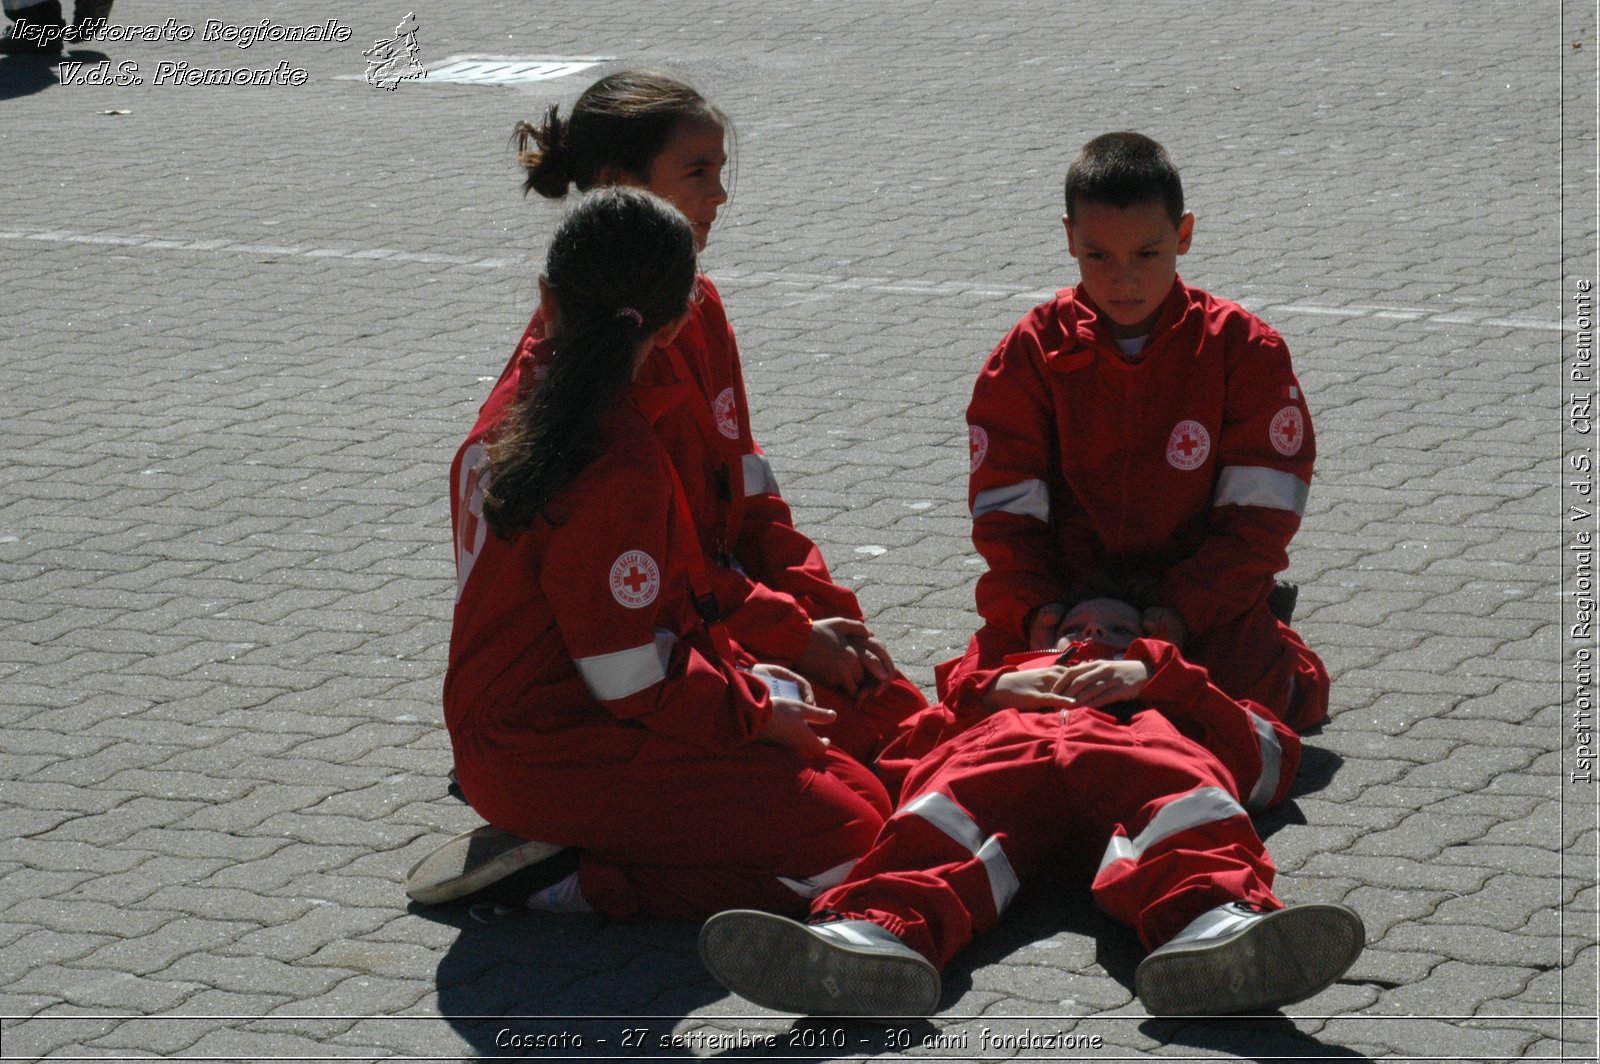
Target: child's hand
pixel 790 725
pixel 1042 625
pixel 831 656
pixel 1163 622
pixel 1029 689
pixel 874 658
pixel 1100 683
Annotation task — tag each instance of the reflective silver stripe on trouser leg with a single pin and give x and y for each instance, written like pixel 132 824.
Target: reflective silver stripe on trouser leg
pixel 1261 486
pixel 1203 805
pixel 1271 764
pixel 625 672
pixel 944 814
pixel 1028 499
pixel 811 886
pixel 758 476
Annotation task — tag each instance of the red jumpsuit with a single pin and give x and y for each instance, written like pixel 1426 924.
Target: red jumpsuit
pixel 1146 800
pixel 590 704
pixel 1189 466
pixel 769 579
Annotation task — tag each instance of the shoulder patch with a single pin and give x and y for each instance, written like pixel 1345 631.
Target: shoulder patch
pixel 727 414
pixel 635 579
pixel 1287 431
pixel 977 446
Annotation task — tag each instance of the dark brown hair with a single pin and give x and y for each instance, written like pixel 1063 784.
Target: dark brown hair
pixel 622 121
pixel 621 265
pixel 1124 169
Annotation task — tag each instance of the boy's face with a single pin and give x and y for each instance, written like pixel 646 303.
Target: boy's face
pixel 1128 257
pixel 1105 620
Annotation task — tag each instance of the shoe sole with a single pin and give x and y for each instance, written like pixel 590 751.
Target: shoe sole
pixel 471 861
pixel 1287 956
pixel 781 965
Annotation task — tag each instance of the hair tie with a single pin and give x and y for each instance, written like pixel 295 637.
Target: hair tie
pixel 629 312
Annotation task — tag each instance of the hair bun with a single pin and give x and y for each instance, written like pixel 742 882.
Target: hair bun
pixel 547 161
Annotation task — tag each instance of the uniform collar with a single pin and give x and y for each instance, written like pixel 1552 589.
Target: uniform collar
pixel 1087 328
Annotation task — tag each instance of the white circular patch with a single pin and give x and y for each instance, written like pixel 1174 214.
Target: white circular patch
pixel 635 580
pixel 978 444
pixel 726 414
pixel 1288 431
pixel 1188 445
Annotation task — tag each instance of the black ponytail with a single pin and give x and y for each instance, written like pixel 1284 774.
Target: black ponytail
pixel 621 265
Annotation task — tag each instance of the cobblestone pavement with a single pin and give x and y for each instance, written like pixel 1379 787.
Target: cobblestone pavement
pixel 244 328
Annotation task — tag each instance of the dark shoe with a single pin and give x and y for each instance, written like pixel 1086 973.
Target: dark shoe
pixel 89 18
pixel 37 30
pixel 487 864
pixel 1238 959
pixel 841 968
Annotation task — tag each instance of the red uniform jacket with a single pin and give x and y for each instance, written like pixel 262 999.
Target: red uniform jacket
pixel 1259 751
pixel 769 579
pixel 576 637
pixel 1191 464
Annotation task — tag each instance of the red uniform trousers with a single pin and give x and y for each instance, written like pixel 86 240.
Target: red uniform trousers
pixel 1257 657
pixel 867 721
pixel 679 832
pixel 1150 818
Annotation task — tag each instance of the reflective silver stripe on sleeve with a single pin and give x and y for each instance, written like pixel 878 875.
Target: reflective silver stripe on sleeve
pixel 1261 486
pixel 814 885
pixel 758 478
pixel 1271 764
pixel 625 672
pixel 1203 805
pixel 1029 499
pixel 944 814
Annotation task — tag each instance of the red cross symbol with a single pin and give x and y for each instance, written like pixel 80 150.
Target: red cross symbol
pixel 636 579
pixel 1188 445
pixel 1289 430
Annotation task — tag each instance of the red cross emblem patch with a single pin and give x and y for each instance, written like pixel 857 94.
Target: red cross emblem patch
pixel 1188 445
pixel 635 580
pixel 727 416
pixel 978 444
pixel 1287 431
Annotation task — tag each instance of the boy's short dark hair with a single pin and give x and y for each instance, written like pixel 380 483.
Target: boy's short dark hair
pixel 1124 169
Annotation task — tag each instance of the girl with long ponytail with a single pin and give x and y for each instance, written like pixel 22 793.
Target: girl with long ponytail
pixel 595 701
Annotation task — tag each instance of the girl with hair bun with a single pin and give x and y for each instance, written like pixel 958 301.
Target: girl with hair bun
pixel 772 587
pixel 594 700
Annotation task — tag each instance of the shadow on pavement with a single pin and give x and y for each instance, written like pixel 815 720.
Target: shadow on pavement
pixel 24 75
pixel 539 984
pixel 1247 1038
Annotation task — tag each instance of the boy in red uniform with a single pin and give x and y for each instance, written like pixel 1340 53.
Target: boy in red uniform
pixel 1135 424
pixel 1115 759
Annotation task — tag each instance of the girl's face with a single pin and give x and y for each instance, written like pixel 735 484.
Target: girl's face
pixel 688 173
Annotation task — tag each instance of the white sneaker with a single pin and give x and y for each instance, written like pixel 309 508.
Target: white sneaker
pixel 842 968
pixel 1238 959
pixel 478 859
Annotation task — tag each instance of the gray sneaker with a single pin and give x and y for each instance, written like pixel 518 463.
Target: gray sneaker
pixel 1238 959
pixel 477 860
pixel 840 968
